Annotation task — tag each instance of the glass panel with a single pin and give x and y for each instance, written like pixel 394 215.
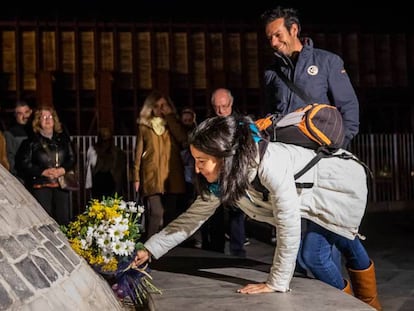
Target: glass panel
pixel 107 51
pixel 199 60
pixel 49 50
pixel 144 60
pixel 87 60
pixel 29 60
pixel 8 56
pixel 162 50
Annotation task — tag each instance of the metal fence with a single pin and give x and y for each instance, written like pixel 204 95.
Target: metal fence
pixel 82 143
pixel 390 158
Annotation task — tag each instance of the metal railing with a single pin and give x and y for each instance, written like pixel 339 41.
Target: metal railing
pixel 390 157
pixel 82 143
pixel 391 160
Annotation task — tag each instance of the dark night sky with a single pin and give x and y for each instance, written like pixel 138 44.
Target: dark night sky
pixel 376 16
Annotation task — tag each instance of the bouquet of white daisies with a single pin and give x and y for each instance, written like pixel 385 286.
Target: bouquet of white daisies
pixel 107 235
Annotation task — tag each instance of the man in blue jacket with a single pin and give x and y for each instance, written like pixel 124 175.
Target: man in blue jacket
pixel 318 73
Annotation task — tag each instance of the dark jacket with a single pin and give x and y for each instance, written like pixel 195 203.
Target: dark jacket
pixel 14 137
pixel 321 75
pixel 109 171
pixel 39 153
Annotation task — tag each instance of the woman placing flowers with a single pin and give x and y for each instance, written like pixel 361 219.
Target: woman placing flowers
pixel 227 160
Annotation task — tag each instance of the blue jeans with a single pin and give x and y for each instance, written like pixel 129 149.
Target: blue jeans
pixel 316 253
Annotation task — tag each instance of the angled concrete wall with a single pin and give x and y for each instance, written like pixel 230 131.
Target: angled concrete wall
pixel 38 268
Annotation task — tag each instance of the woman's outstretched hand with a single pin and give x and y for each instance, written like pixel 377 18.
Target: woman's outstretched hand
pixel 255 289
pixel 141 257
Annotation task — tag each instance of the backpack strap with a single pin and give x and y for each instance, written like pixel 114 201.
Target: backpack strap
pixel 304 96
pixel 262 147
pixel 257 185
pixel 321 152
pixel 324 152
pixel 347 156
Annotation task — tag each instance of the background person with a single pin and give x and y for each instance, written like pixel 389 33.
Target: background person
pixel 188 119
pixel 44 157
pixel 225 147
pixel 106 167
pixel 158 168
pixel 319 73
pixel 18 132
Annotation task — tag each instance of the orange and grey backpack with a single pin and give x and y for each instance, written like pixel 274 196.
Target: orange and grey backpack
pixel 312 126
pixel 315 126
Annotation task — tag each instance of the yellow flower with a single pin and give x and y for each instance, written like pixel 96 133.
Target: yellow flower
pixel 112 265
pixel 107 229
pixel 107 236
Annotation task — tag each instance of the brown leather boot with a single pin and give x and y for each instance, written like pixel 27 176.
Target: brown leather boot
pixel 347 289
pixel 364 285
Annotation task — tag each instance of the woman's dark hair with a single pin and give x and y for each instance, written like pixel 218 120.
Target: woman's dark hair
pixel 289 15
pixel 229 139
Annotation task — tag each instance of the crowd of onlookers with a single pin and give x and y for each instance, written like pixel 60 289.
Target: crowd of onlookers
pixel 37 150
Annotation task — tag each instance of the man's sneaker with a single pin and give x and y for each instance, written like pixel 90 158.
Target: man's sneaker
pixel 246 242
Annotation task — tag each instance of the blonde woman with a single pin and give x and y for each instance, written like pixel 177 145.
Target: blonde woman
pixel 42 158
pixel 158 168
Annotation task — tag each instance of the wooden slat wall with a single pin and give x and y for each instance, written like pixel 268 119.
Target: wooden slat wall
pixel 187 61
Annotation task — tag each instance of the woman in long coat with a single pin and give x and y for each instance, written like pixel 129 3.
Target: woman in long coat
pixel 158 167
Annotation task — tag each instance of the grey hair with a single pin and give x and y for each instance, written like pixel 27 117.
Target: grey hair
pixel 213 96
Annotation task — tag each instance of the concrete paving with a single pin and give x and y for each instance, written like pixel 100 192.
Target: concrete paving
pixel 199 280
